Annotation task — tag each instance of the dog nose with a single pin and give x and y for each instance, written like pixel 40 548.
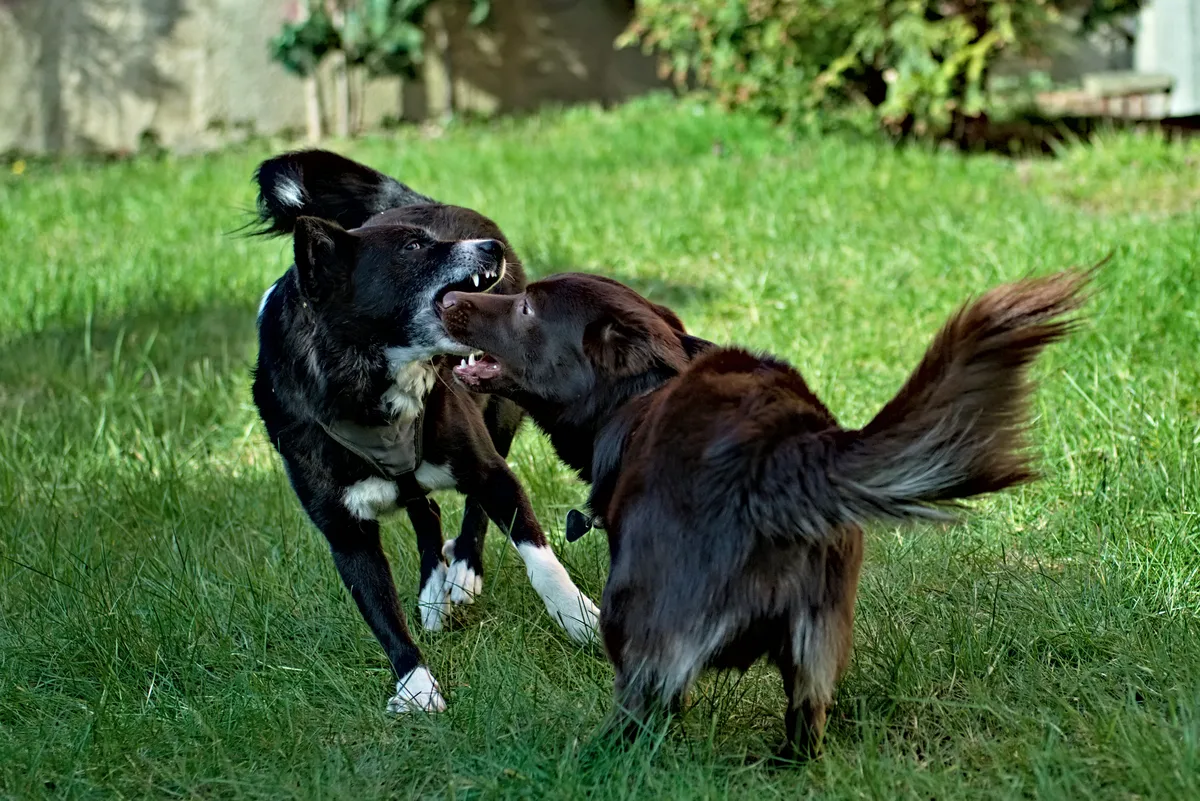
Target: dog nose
pixel 492 248
pixel 450 299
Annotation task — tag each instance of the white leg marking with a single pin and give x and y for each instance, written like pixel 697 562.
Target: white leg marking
pixel 369 498
pixel 417 692
pixel 573 610
pixel 461 580
pixel 435 476
pixel 433 602
pixel 289 193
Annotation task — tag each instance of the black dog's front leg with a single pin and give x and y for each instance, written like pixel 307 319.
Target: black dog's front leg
pixel 363 566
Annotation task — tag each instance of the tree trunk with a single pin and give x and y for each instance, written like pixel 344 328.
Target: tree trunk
pixel 312 94
pixel 341 77
pixel 312 109
pixel 341 95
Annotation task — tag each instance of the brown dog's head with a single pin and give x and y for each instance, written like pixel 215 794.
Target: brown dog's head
pixel 564 338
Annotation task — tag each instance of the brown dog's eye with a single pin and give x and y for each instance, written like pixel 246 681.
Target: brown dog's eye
pixel 525 307
pixel 412 245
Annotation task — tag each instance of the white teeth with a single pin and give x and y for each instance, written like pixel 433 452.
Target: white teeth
pixel 463 363
pixel 475 279
pixel 471 359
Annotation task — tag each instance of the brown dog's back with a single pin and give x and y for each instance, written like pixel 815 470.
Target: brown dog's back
pixel 731 497
pixel 736 514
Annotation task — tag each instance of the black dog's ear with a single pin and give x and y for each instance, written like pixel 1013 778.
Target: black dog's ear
pixel 318 183
pixel 325 256
pixel 623 347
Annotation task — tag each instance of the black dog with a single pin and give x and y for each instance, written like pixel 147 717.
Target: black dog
pixel 358 400
pixel 731 497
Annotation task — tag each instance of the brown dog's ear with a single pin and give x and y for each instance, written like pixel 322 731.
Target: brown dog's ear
pixel 325 254
pixel 669 317
pixel 692 346
pixel 628 347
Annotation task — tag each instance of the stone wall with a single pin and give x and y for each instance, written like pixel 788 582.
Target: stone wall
pixel 105 75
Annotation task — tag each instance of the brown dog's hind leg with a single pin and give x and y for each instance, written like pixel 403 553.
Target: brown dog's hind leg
pixel 804 721
pixel 813 658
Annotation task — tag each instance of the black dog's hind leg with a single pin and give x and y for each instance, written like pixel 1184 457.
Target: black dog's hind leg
pixel 360 560
pixel 501 496
pixel 432 600
pixel 465 554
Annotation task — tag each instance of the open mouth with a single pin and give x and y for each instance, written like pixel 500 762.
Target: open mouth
pixel 483 279
pixel 477 369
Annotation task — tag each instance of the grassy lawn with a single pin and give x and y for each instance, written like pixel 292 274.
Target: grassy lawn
pixel 171 625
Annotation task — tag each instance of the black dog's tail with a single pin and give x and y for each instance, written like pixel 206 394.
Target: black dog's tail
pixel 955 430
pixel 318 183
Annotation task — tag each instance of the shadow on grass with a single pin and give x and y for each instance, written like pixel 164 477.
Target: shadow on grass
pixel 143 347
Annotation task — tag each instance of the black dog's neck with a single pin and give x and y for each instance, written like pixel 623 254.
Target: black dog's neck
pixel 358 382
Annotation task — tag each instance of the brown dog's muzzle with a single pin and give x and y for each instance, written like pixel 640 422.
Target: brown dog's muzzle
pixel 480 300
pixel 469 316
pixel 478 321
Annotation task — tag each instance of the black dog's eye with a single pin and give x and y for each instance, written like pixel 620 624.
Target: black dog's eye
pixel 412 245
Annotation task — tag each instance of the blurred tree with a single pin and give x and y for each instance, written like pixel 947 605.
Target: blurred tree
pixel 378 37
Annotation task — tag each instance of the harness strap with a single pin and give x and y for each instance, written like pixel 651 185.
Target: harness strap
pixel 394 452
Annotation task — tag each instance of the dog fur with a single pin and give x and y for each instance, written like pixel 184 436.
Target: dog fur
pixel 356 395
pixel 732 499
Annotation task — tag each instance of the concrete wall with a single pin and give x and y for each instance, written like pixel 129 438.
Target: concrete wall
pixel 100 75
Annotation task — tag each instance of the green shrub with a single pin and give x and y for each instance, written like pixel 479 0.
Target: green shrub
pixel 916 65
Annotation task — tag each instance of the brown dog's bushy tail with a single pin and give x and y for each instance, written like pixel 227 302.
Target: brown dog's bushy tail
pixel 957 427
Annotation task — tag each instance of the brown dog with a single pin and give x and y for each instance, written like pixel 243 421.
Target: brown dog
pixel 731 497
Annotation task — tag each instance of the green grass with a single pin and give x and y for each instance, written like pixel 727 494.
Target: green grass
pixel 171 625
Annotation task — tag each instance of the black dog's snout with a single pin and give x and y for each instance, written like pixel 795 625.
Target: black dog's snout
pixel 492 248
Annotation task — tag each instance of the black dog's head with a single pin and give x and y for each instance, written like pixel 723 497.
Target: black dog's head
pixel 382 284
pixel 374 256
pixel 564 339
pixel 318 183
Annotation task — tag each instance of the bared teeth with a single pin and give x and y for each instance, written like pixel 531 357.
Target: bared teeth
pixel 475 279
pixel 471 359
pixel 463 363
